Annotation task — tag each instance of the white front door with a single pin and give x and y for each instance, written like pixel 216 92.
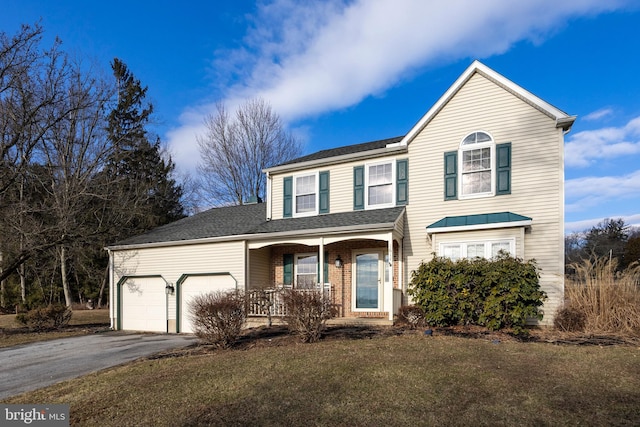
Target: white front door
pixel 368 279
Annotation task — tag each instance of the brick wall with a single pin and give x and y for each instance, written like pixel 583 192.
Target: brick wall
pixel 340 278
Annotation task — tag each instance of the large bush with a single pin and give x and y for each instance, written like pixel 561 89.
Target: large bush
pixel 500 293
pixel 54 316
pixel 218 317
pixel 307 313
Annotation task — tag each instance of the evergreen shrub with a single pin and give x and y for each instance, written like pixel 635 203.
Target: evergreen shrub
pixel 503 292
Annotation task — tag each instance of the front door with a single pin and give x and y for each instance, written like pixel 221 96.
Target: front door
pixel 367 283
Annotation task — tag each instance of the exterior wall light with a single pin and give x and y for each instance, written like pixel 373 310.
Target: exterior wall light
pixel 169 289
pixel 338 262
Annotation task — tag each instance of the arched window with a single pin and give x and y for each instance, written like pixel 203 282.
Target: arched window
pixel 477 151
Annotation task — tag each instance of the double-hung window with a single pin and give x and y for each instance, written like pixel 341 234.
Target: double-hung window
pixel 477 249
pixel 305 188
pixel 379 184
pixel 306 271
pixel 476 164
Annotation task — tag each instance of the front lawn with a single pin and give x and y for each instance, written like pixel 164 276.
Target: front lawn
pixel 82 322
pixel 364 379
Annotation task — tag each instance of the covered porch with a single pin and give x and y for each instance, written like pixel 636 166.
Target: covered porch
pixel 358 271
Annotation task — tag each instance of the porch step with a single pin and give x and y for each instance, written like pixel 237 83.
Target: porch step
pixel 253 322
pixel 360 321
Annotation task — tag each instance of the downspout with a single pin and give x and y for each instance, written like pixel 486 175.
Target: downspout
pixel 268 197
pixel 112 303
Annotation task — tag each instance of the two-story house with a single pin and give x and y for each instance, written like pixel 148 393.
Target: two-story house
pixel 481 171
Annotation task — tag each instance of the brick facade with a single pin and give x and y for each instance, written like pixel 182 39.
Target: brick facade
pixel 339 278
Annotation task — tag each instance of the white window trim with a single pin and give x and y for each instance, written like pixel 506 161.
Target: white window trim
pixel 487 246
pixel 393 184
pixel 296 257
pixel 461 150
pixel 317 192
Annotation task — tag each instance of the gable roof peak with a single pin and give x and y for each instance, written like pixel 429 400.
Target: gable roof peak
pixel 563 120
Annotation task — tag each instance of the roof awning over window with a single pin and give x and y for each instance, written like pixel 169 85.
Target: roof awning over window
pixel 479 222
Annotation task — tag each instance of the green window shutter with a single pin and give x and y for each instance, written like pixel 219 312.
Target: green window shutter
pixel 324 192
pixel 358 188
pixel 402 182
pixel 326 267
pixel 287 263
pixel 287 209
pixel 503 169
pixel 451 175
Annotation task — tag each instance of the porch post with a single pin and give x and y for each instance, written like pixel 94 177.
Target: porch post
pixel 321 265
pixel 388 289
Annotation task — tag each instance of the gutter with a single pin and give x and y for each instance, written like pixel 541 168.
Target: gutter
pixel 261 236
pixel 379 152
pixel 493 225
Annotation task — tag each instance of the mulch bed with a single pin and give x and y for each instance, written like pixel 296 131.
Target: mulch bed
pixel 279 335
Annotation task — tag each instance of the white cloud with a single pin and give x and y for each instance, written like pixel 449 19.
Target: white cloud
pixel 587 192
pixel 586 147
pixel 586 224
pixel 598 114
pixel 321 56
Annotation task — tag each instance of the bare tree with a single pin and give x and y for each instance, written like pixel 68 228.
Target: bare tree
pixel 33 97
pixel 73 153
pixel 236 149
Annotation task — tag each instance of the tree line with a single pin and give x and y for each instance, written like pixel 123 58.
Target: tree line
pixel 79 169
pixel 610 238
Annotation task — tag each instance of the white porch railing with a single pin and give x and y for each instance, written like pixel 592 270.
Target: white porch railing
pixel 265 302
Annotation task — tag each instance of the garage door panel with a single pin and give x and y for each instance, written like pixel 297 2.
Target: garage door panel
pixel 144 305
pixel 199 285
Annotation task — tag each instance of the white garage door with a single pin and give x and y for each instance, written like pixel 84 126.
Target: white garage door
pixel 198 285
pixel 144 305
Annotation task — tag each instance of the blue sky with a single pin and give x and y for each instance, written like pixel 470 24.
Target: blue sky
pixel 345 72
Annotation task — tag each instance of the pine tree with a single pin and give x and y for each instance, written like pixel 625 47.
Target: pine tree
pixel 145 188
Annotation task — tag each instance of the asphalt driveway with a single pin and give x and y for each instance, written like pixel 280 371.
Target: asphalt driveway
pixel 32 366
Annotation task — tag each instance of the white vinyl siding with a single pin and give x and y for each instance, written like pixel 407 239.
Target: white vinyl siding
pixel 536 181
pixel 341 194
pixel 174 261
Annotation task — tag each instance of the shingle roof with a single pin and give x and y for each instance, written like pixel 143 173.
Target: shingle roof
pixel 251 219
pixel 216 222
pixel 343 151
pixel 343 219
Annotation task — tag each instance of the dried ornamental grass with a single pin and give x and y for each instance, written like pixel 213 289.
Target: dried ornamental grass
pixel 609 300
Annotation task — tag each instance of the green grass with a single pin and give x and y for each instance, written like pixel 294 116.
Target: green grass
pixel 391 380
pixel 82 322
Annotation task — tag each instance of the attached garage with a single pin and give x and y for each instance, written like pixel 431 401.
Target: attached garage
pixel 143 304
pixel 190 286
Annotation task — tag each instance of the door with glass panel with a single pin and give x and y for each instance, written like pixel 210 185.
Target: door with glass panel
pixel 367 281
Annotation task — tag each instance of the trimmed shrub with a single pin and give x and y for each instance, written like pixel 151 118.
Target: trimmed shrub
pixel 51 317
pixel 307 313
pixel 218 317
pixel 411 315
pixel 503 292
